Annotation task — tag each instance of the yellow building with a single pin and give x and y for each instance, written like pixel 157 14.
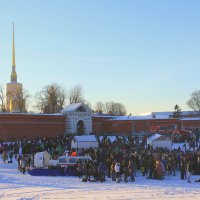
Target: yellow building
pixel 14 98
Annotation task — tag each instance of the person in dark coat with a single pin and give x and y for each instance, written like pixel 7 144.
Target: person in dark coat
pixel 80 169
pixel 151 164
pixel 102 172
pixel 95 170
pixel 131 171
pixel 183 168
pixel 19 162
pixel 88 168
pixel 10 156
pixel 125 173
pixel 173 164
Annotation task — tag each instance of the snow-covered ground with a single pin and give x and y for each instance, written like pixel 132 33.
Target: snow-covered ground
pixel 14 185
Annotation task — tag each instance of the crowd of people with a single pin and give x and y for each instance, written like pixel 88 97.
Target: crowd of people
pixel 123 158
pixel 120 160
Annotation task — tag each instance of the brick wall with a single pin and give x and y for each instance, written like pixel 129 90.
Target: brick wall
pixel 103 125
pixel 16 126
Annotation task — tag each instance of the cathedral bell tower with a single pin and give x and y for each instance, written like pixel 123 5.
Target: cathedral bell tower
pixel 14 89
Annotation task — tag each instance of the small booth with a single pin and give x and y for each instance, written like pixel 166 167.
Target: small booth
pixel 41 159
pixel 152 138
pixel 162 142
pixel 159 141
pixel 84 141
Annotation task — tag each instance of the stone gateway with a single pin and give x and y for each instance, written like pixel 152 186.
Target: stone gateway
pixel 78 119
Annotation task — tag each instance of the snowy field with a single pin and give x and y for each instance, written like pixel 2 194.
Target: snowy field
pixel 14 185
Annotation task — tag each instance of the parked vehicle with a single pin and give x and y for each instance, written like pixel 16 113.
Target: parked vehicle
pixel 63 166
pixel 65 161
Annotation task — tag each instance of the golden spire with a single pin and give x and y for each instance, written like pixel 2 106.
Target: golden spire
pixel 13 46
pixel 13 73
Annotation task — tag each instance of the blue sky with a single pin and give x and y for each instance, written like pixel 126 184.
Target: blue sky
pixel 144 53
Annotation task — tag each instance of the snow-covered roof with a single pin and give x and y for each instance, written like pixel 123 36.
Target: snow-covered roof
pixel 171 113
pixel 163 113
pixel 143 117
pixel 162 116
pixel 31 114
pixel 153 115
pixel 162 137
pixel 132 117
pixel 73 107
pixel 155 136
pixel 85 138
pixel 190 112
pixel 102 115
pixel 191 119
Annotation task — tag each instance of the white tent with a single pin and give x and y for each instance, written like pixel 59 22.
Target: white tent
pixel 84 141
pixel 159 141
pixel 41 159
pixel 152 138
pixel 162 142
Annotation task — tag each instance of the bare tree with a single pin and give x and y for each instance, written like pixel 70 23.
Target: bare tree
pixel 2 99
pixel 22 100
pixel 99 107
pixel 88 104
pixel 194 101
pixel 113 108
pixel 51 99
pixel 75 95
pixel 108 107
pixel 120 109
